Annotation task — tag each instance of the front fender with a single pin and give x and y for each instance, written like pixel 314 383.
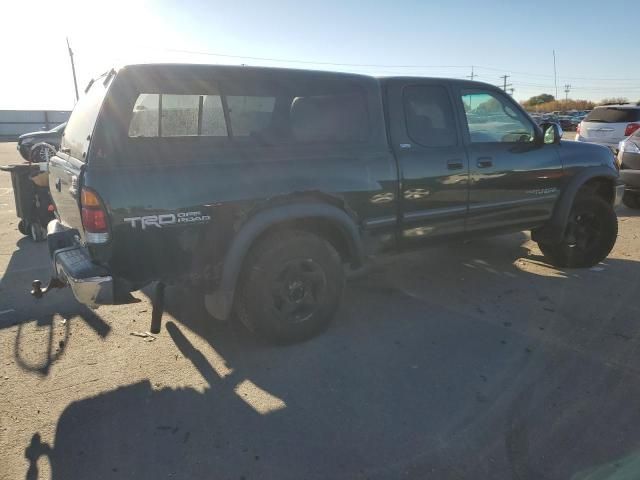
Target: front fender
pixel 553 231
pixel 219 303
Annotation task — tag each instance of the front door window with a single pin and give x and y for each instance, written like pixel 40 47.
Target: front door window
pixel 493 119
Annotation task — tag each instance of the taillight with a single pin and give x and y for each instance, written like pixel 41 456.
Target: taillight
pixel 578 128
pixel 94 218
pixel 631 127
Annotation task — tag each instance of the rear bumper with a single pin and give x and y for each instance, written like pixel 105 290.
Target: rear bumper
pixel 89 283
pixel 92 284
pixel 612 146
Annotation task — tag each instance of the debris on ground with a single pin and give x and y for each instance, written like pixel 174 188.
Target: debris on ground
pixel 148 337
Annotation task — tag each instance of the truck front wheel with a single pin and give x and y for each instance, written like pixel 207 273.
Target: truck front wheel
pixel 290 287
pixel 590 234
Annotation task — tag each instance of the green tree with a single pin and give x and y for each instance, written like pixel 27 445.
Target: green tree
pixel 539 100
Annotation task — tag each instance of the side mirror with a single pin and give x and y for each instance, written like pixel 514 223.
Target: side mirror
pixel 551 133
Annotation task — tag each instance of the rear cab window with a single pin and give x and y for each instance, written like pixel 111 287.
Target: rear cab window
pixel 613 115
pixel 79 128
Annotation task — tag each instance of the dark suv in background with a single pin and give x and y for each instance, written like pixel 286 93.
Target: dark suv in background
pixel 36 146
pixel 256 185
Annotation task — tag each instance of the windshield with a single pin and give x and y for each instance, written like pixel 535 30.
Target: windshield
pixel 613 115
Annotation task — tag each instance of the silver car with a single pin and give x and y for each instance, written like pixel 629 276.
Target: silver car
pixel 609 125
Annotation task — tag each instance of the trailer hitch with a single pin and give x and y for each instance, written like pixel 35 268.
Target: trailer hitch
pixel 37 290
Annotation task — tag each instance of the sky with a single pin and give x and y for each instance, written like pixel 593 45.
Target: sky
pixel 423 37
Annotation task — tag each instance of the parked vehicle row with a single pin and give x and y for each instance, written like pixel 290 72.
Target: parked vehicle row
pixel 609 125
pixel 629 161
pixel 618 128
pixel 256 185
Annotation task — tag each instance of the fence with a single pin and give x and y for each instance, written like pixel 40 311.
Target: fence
pixel 14 123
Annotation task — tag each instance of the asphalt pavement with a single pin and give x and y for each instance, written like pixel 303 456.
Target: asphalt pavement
pixel 467 361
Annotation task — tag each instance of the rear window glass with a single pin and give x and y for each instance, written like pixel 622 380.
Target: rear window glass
pixel 169 115
pixel 83 118
pixel 287 116
pixel 613 115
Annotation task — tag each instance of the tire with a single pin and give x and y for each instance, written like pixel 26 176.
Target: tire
pixel 590 234
pixel 42 153
pixel 24 228
pixel 631 199
pixel 290 287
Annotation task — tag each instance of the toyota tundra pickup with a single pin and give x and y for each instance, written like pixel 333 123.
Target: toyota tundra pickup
pixel 257 186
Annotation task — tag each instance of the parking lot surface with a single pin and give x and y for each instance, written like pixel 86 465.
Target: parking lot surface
pixel 467 361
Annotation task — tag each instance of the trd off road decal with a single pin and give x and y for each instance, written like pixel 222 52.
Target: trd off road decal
pixel 165 219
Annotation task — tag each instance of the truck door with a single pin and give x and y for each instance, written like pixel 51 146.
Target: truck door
pixel 514 181
pixel 433 165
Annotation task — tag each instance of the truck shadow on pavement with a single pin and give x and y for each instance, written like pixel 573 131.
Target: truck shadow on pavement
pixel 49 316
pixel 459 363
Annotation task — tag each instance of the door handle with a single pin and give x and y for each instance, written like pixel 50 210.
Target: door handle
pixel 484 162
pixel 58 184
pixel 455 164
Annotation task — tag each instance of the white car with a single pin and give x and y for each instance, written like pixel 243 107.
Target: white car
pixel 609 125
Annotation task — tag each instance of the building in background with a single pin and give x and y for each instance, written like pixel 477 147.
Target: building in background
pixel 14 123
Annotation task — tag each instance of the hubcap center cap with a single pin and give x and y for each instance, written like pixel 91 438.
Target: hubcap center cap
pixel 297 291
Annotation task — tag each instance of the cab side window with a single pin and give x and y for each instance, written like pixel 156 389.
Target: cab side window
pixel 250 114
pixel 492 119
pixel 429 116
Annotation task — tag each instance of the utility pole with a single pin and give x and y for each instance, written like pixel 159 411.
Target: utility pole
pixel 504 82
pixel 73 70
pixel 473 75
pixel 555 73
pixel 567 89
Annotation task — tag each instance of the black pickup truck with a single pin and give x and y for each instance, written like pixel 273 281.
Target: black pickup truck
pixel 258 185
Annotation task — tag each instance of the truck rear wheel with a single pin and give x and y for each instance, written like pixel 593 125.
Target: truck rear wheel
pixel 590 235
pixel 291 287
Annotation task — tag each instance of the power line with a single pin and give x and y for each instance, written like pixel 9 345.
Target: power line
pixel 379 65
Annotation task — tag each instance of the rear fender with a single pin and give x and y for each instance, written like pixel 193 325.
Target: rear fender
pixel 219 303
